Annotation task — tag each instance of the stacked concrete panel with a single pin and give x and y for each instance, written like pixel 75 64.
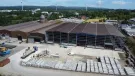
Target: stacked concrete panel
pixel 83 67
pixel 121 71
pixel 110 70
pixel 106 66
pixel 92 66
pixel 115 69
pixel 129 71
pixel 79 67
pixel 88 65
pixel 100 67
pixel 105 70
pixel 107 61
pixel 96 67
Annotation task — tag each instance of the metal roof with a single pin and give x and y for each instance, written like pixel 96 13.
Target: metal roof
pixel 67 28
pixel 28 26
pixel 102 30
pixel 42 30
pixel 93 29
pixel 38 26
pixel 113 30
pixel 79 28
pixel 24 26
pixel 90 29
pixel 58 27
pixel 17 26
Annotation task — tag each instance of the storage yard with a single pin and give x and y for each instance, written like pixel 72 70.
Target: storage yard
pixel 67 48
pixel 53 57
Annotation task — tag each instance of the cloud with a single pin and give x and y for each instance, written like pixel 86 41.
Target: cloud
pixel 120 2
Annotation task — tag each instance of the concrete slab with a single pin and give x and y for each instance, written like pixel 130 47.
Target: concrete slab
pixel 95 52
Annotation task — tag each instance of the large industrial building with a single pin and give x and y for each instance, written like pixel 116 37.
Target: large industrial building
pixel 86 34
pixel 27 30
pixel 80 34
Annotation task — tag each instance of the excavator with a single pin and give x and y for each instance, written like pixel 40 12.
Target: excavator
pixel 4 51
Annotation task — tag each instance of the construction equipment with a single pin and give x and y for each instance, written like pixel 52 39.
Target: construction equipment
pixel 4 51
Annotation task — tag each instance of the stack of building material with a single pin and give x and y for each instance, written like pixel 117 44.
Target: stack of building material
pixel 110 70
pixel 105 70
pixel 88 65
pixel 107 61
pixel 107 65
pixel 100 67
pixel 96 67
pixel 121 70
pixel 31 62
pixel 102 59
pixel 112 61
pixel 57 65
pixel 70 65
pixel 115 69
pixel 129 71
pixel 49 64
pixel 34 62
pixel 53 63
pixel 79 67
pixel 92 66
pixel 74 65
pixel 66 66
pixel 83 67
pixel 61 66
pixel 38 62
pixel 42 64
pixel 27 53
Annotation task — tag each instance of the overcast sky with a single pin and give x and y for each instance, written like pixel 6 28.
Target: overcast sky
pixel 116 4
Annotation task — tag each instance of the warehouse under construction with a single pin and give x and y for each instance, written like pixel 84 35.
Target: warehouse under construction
pixel 87 35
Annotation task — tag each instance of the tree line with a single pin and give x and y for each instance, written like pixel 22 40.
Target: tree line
pixel 14 17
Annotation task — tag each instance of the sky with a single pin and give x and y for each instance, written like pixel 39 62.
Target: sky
pixel 114 4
